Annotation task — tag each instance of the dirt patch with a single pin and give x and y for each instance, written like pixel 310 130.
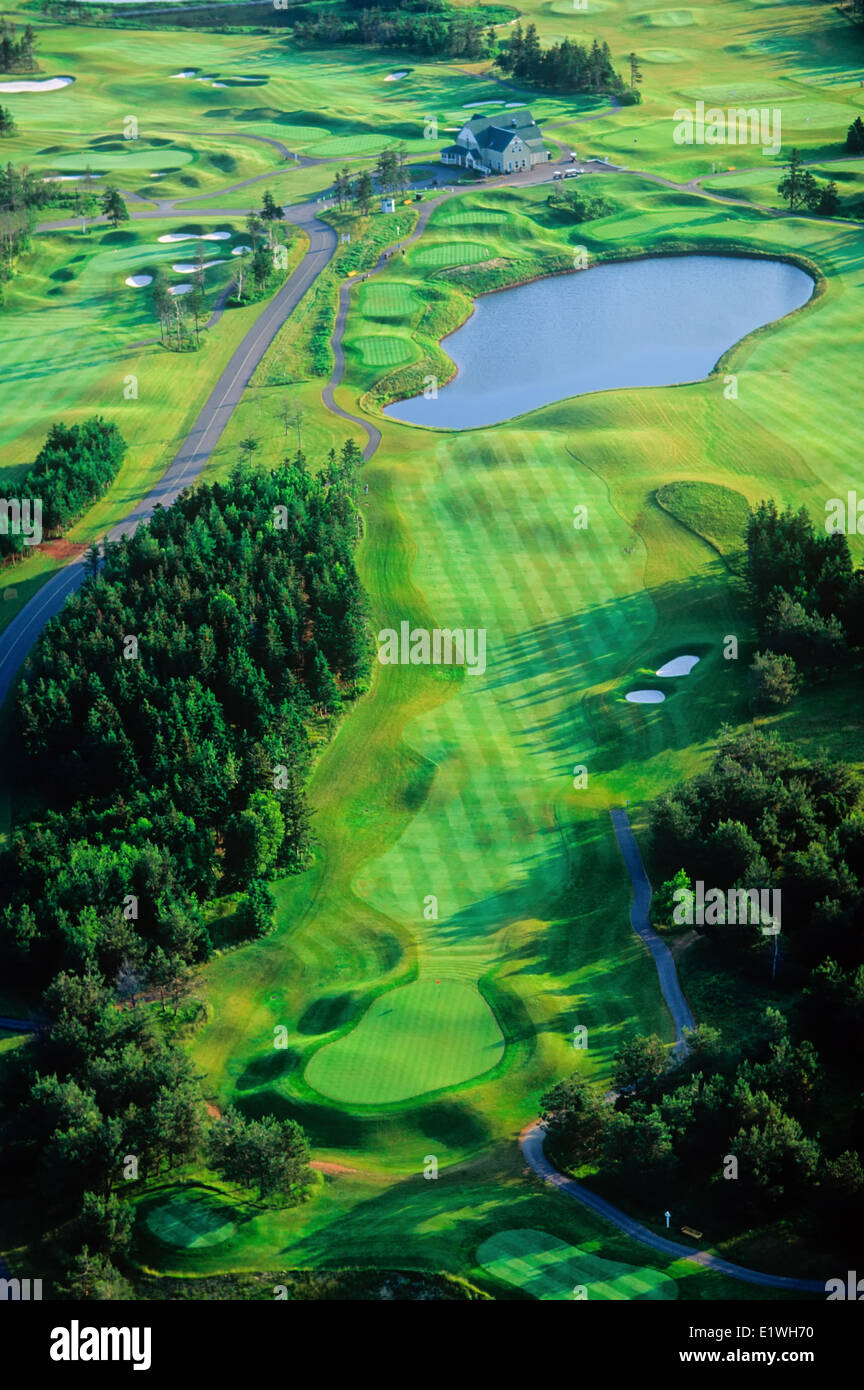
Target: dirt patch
pixel 63 550
pixel 213 1111
pixel 334 1169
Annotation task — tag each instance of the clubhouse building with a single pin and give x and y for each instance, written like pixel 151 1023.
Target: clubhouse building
pixel 498 144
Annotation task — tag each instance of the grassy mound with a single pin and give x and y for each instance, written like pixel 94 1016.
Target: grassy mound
pixel 548 1268
pixel 412 1040
pixel 716 513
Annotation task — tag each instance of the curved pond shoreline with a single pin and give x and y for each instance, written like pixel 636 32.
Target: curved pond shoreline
pixel 781 284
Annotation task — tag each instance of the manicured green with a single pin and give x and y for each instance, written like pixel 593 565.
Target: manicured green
pixel 549 1268
pixel 422 1037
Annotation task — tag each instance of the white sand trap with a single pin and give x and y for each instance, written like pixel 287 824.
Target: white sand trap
pixel 478 104
pixel 69 178
pixel 189 268
pixel 678 666
pixel 195 236
pixel 43 84
pixel 184 289
pixel 645 697
pixel 190 72
pixel 240 250
pixel 139 281
pixel 220 84
pixel 395 76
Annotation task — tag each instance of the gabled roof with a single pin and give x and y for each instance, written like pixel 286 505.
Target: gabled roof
pixel 497 133
pixel 493 138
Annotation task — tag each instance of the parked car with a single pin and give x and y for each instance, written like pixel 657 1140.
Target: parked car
pixel 558 174
pixel 572 173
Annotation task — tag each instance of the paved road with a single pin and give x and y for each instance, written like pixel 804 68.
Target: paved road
pixel 531 1138
pixel 19 636
pixel 531 1144
pixel 670 985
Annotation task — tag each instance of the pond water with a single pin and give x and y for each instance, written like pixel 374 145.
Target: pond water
pixel 650 322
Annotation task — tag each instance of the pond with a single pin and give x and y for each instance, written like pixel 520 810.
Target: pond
pixel 649 322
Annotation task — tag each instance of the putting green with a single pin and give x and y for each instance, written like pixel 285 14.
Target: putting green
pixel 549 1268
pixel 476 217
pixel 135 159
pixel 384 351
pixel 412 1040
pixel 388 301
pixel 451 253
pixel 191 1222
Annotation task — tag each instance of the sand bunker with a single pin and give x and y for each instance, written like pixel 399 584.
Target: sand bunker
pixel 240 250
pixel 184 289
pixel 139 281
pixel 645 697
pixel 69 178
pixel 196 236
pixel 678 666
pixel 42 84
pixel 189 267
pixel 395 76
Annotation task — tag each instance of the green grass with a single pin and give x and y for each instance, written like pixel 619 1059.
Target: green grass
pixel 717 513
pixel 385 351
pixel 75 339
pixel 194 1222
pixel 548 1268
pixel 389 300
pixel 463 789
pixel 423 1037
